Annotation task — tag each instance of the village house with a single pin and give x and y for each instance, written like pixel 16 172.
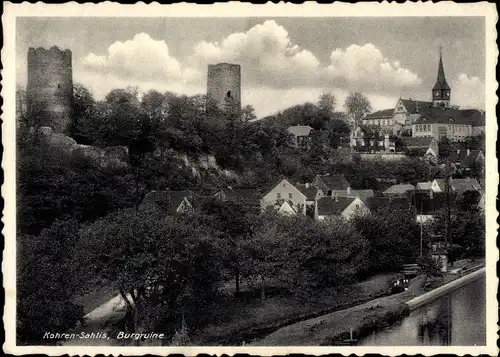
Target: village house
pixel 302 135
pixel 245 196
pixel 336 207
pixel 395 203
pixel 297 197
pixel 169 201
pixel 399 190
pixel 464 160
pixel 331 182
pixel 426 204
pixel 420 146
pixel 458 186
pixel 367 139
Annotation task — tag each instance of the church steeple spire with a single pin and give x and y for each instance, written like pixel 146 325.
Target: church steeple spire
pixel 441 91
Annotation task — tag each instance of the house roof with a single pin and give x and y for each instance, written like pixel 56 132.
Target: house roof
pixel 329 206
pixel 467 184
pixel 168 200
pixel 386 113
pixel 441 183
pixel 333 182
pixel 464 157
pixel 362 194
pixel 451 116
pixel 377 203
pixel 429 203
pixel 423 185
pixel 400 188
pixel 310 192
pixel 417 142
pixel 415 106
pixel 249 195
pixel 300 130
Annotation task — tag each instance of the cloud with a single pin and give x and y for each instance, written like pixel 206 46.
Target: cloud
pixel 141 58
pixel 358 67
pixel 468 92
pixel 266 54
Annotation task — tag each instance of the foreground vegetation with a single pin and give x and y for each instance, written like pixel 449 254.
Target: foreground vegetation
pixel 80 226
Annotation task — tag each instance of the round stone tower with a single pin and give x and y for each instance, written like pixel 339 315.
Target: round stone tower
pixel 224 87
pixel 49 93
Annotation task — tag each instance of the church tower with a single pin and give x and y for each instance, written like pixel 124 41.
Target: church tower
pixel 441 92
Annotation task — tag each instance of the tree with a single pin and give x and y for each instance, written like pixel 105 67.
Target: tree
pixel 83 105
pixel 46 283
pixel 357 106
pixel 151 260
pixel 327 103
pixel 429 267
pixel 248 113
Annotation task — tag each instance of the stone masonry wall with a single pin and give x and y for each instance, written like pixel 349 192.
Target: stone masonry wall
pixel 50 87
pixel 224 86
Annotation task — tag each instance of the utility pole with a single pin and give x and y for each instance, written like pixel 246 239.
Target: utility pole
pixel 421 232
pixel 448 201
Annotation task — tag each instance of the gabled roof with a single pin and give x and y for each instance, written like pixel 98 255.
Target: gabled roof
pixel 329 206
pixel 397 203
pixel 467 184
pixel 423 186
pixel 463 157
pixel 382 114
pixel 310 192
pixel 415 106
pixel 428 203
pixel 332 182
pixel 248 195
pixel 300 130
pixel 417 142
pixel 168 200
pixel 436 115
pixel 362 194
pixel 399 189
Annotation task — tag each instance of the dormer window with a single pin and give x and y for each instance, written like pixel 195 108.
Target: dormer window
pixel 228 94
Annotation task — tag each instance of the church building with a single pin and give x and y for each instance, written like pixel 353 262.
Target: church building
pixel 436 118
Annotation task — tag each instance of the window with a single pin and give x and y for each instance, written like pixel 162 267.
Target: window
pixel 278 196
pixel 228 94
pixel 290 196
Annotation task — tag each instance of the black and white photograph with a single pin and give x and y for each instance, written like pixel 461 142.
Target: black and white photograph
pixel 206 177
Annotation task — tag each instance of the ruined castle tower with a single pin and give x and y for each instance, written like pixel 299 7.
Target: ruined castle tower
pixel 49 93
pixel 224 87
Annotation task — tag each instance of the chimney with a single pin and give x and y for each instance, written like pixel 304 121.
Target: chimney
pixel 349 190
pixel 307 184
pixel 468 152
pixel 458 151
pixel 336 198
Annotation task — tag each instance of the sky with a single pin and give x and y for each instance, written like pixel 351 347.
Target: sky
pixel 284 61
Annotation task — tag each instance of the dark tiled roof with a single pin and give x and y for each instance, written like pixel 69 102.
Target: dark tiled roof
pixel 463 157
pixel 329 206
pixel 300 130
pixel 449 115
pixel 467 184
pixel 248 195
pixel 399 189
pixel 310 192
pixel 415 106
pixel 397 203
pixel 425 202
pixel 168 200
pixel 333 182
pixel 417 142
pixel 386 113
